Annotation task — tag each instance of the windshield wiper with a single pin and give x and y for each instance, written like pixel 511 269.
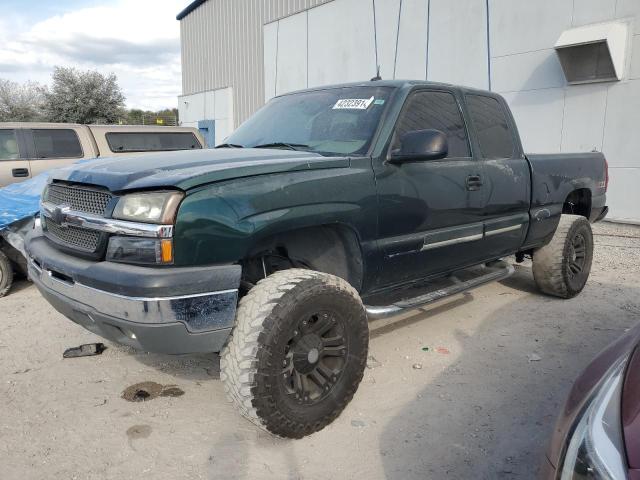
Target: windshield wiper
pixel 229 145
pixel 290 146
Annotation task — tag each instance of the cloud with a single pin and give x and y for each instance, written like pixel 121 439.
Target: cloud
pixel 138 40
pixel 85 49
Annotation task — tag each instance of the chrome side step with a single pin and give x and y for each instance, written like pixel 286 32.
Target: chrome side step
pixel 488 273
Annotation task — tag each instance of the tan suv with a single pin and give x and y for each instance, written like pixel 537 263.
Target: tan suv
pixel 27 149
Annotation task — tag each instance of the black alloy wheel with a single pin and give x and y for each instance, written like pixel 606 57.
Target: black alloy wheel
pixel 314 358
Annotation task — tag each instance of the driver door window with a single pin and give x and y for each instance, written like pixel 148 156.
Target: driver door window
pixel 437 111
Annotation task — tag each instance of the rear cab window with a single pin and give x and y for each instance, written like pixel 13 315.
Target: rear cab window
pixel 492 127
pixel 9 145
pixel 434 110
pixel 56 143
pixel 151 141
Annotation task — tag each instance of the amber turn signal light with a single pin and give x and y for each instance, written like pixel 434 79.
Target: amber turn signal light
pixel 166 250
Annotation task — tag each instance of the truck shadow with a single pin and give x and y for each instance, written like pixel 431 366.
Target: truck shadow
pixel 202 367
pixel 490 413
pixel 19 284
pixel 382 327
pixel 196 367
pixel 521 280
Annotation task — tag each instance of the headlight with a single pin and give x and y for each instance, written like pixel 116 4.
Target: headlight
pixel 142 251
pixel 148 207
pixel 596 448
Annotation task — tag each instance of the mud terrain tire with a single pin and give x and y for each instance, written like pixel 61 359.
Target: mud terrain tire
pixel 6 274
pixel 561 268
pixel 297 352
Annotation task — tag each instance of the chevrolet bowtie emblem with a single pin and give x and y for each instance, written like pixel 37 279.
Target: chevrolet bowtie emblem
pixel 59 215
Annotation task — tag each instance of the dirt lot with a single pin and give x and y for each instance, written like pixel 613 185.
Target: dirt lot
pixel 499 364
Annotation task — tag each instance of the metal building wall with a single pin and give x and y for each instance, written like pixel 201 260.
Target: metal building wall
pixel 222 45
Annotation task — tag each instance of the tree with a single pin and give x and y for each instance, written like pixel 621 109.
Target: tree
pixel 21 103
pixel 83 97
pixel 135 116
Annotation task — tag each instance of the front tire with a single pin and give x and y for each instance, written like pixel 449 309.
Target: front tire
pixel 6 274
pixel 561 268
pixel 297 352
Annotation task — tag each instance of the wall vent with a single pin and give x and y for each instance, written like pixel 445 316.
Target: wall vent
pixel 593 53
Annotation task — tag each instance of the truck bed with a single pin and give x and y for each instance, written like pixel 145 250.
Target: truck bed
pixel 553 178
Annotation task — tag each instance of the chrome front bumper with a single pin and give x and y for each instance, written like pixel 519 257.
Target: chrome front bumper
pixel 200 312
pixel 166 310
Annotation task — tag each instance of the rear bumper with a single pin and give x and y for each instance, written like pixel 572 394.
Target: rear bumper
pixel 168 310
pixel 602 214
pixel 599 208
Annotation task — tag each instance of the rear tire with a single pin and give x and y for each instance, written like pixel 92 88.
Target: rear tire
pixel 6 274
pixel 561 268
pixel 297 353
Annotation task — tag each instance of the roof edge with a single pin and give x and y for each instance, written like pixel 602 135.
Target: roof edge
pixel 189 8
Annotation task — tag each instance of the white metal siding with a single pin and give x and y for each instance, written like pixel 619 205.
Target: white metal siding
pixel 222 46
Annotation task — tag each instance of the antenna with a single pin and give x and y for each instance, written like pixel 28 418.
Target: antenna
pixel 377 77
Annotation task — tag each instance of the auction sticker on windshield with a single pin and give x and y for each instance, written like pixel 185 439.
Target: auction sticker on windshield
pixel 353 103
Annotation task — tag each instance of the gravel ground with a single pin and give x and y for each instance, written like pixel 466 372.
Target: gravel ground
pixel 480 402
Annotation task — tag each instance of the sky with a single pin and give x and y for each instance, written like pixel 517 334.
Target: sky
pixel 138 40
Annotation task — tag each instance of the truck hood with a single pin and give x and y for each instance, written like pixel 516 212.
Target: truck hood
pixel 188 169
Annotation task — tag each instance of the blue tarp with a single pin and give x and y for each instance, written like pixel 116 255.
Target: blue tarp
pixel 21 200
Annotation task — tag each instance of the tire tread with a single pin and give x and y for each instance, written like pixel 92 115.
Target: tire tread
pixel 239 362
pixel 6 279
pixel 549 260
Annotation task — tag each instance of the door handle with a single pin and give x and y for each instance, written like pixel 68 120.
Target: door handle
pixel 474 182
pixel 20 172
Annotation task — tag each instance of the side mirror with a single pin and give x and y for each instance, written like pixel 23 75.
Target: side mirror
pixel 421 145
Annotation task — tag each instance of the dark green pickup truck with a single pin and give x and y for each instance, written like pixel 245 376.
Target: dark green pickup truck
pixel 328 207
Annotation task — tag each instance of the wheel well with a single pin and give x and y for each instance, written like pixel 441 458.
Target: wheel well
pixel 333 249
pixel 578 203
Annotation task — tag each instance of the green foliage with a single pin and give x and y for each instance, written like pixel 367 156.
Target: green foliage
pixel 83 97
pixel 75 96
pixel 168 117
pixel 21 103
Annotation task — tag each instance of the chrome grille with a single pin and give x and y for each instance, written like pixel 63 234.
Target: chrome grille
pixel 79 199
pixel 73 236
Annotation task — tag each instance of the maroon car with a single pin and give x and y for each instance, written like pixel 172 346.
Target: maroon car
pixel 598 433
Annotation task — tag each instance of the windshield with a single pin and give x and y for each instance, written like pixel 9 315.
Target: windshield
pixel 338 121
